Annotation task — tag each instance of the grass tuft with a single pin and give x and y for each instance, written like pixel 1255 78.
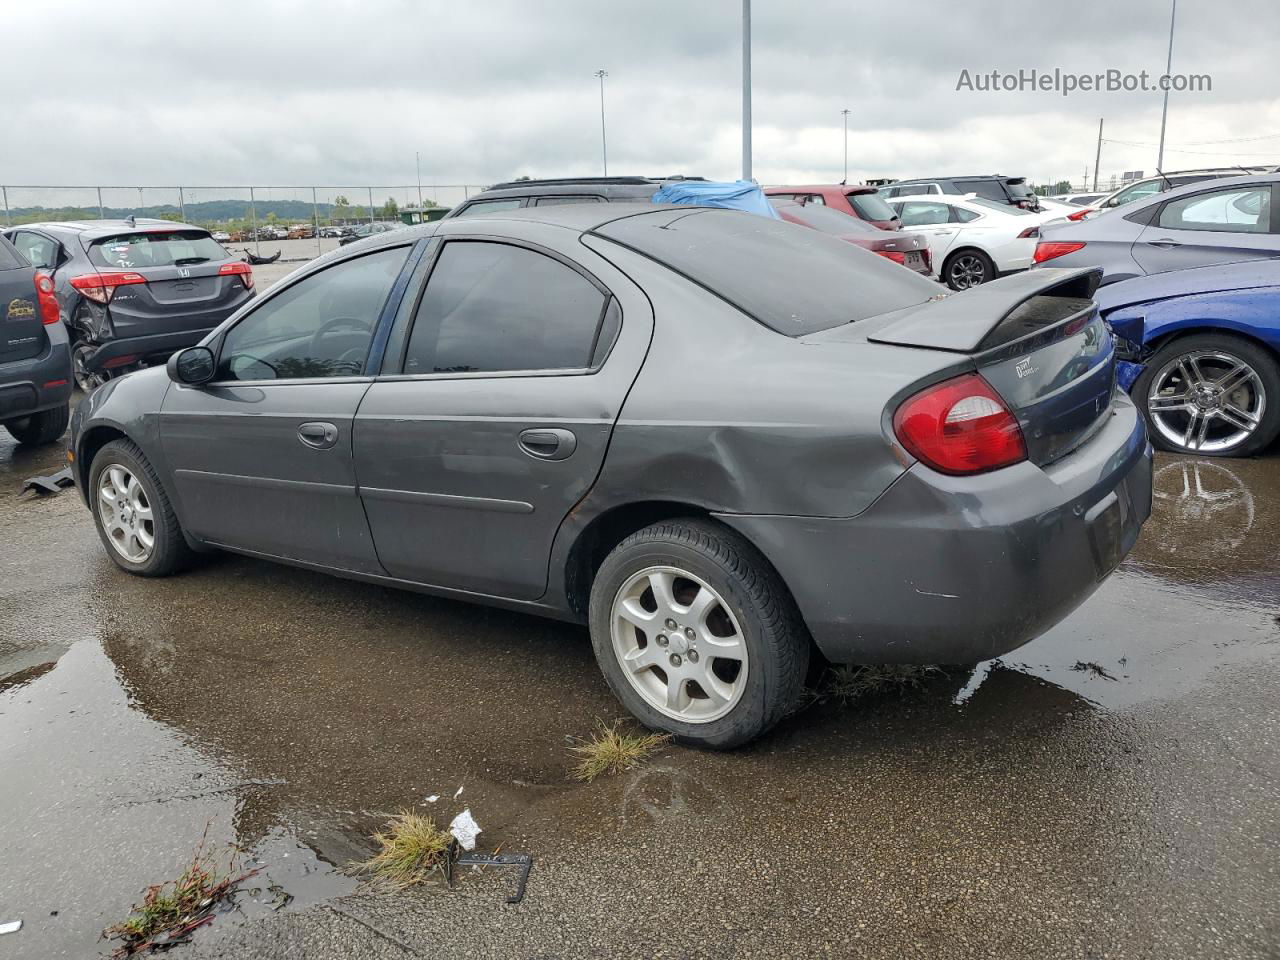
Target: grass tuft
pixel 610 751
pixel 412 847
pixel 849 683
pixel 170 912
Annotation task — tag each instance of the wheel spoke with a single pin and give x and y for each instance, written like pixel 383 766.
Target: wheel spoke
pixel 1237 417
pixel 145 537
pixel 1165 402
pixel 663 586
pixel 642 658
pixel 1193 422
pixel 107 495
pixel 715 688
pixel 143 512
pixel 678 698
pixel 631 611
pixel 1235 378
pixel 702 605
pixel 727 648
pixel 119 481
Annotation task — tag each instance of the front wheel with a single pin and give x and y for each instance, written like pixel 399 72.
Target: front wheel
pixel 968 268
pixel 132 513
pixel 43 427
pixel 1211 394
pixel 696 634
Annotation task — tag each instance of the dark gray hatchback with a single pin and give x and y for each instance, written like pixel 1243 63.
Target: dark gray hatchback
pixel 717 439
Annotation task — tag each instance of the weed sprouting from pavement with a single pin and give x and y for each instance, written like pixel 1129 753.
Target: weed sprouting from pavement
pixel 849 683
pixel 170 912
pixel 1091 668
pixel 412 847
pixel 610 751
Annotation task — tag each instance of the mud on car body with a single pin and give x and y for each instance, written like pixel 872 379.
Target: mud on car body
pixel 599 413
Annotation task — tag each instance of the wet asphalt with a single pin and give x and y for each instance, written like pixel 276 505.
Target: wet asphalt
pixel 1109 790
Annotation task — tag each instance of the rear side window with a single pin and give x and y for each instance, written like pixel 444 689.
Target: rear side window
pixel 919 213
pixel 489 206
pixel 556 201
pixel 155 249
pixel 1234 210
pixel 9 259
pixel 869 206
pixel 494 307
pixel 792 279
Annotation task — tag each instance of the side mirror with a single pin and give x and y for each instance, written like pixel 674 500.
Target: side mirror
pixel 192 366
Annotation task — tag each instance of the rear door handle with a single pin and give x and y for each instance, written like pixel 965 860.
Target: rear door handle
pixel 548 443
pixel 1165 244
pixel 318 434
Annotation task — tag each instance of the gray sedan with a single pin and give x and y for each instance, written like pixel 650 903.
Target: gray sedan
pixel 1213 221
pixel 716 439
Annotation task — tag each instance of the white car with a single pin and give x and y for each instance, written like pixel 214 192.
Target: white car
pixel 972 240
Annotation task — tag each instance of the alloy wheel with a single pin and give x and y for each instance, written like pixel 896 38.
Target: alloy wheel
pixel 125 514
pixel 679 645
pixel 1206 400
pixel 966 271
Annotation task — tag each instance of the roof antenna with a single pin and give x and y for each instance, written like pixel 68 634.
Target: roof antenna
pixel 1167 182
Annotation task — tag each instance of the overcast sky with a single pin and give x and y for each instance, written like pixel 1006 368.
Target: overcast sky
pixel 330 92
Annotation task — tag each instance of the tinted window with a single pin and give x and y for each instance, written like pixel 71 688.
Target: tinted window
pixel 9 258
pixel 1139 191
pixel 814 199
pixel 38 250
pixel 1234 210
pixel 991 189
pixel 960 215
pixel 869 206
pixel 1000 207
pixel 492 307
pixel 320 327
pixel 1019 190
pixel 164 248
pixel 488 206
pixel 917 213
pixel 825 219
pixel 554 201
pixel 792 279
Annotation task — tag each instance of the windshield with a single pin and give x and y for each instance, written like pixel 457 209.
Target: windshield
pixel 1000 207
pixel 870 206
pixel 791 279
pixel 155 248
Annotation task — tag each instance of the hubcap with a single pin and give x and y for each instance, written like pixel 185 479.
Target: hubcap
pixel 1206 400
pixel 967 271
pixel 125 514
pixel 694 671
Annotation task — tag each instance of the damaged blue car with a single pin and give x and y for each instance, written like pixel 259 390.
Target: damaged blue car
pixel 1199 352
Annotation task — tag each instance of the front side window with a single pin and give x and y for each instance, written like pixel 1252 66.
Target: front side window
pixel 1234 210
pixel 38 250
pixel 1139 191
pixel 919 213
pixel 489 206
pixel 493 307
pixel 321 326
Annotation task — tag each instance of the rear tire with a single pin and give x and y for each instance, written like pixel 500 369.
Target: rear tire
pixel 967 268
pixel 735 662
pixel 1172 371
pixel 136 522
pixel 43 427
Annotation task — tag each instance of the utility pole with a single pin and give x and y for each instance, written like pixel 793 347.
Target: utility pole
pixel 746 89
pixel 1097 157
pixel 417 162
pixel 604 143
pixel 1164 112
pixel 845 114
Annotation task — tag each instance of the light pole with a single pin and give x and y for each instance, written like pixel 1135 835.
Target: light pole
pixel 845 114
pixel 417 162
pixel 1164 112
pixel 604 143
pixel 746 89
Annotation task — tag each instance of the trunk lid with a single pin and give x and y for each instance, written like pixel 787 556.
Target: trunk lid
pixel 1040 342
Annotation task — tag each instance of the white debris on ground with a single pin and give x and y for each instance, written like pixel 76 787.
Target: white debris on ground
pixel 465 829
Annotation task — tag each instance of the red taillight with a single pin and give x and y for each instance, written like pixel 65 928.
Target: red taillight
pixel 895 255
pixel 960 426
pixel 1080 214
pixel 124 361
pixel 49 312
pixel 1028 233
pixel 1048 249
pixel 99 287
pixel 240 269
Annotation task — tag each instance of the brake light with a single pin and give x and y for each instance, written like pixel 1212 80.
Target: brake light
pixel 896 256
pixel 1080 214
pixel 1049 249
pixel 1028 233
pixel 100 287
pixel 960 426
pixel 49 311
pixel 238 268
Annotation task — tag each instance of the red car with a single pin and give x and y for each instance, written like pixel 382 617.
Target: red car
pixel 909 249
pixel 858 201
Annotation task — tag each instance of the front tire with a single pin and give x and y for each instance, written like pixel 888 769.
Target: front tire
pixel 43 427
pixel 132 513
pixel 1210 394
pixel 968 268
pixel 696 634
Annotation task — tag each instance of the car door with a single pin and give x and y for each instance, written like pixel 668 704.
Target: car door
pixel 933 221
pixel 261 456
pixel 1221 225
pixel 492 421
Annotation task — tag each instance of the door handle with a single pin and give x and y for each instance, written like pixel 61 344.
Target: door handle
pixel 548 443
pixel 318 434
pixel 1165 244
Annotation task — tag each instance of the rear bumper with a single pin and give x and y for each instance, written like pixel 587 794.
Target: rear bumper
pixel 960 569
pixel 154 347
pixel 41 383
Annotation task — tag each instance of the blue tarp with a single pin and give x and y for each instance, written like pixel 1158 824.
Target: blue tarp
pixel 739 195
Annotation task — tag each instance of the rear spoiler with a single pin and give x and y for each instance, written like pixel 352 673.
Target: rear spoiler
pixel 969 321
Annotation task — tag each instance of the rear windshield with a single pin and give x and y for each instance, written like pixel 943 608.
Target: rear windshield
pixel 792 279
pixel 825 219
pixel 163 248
pixel 1019 190
pixel 870 206
pixel 1002 207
